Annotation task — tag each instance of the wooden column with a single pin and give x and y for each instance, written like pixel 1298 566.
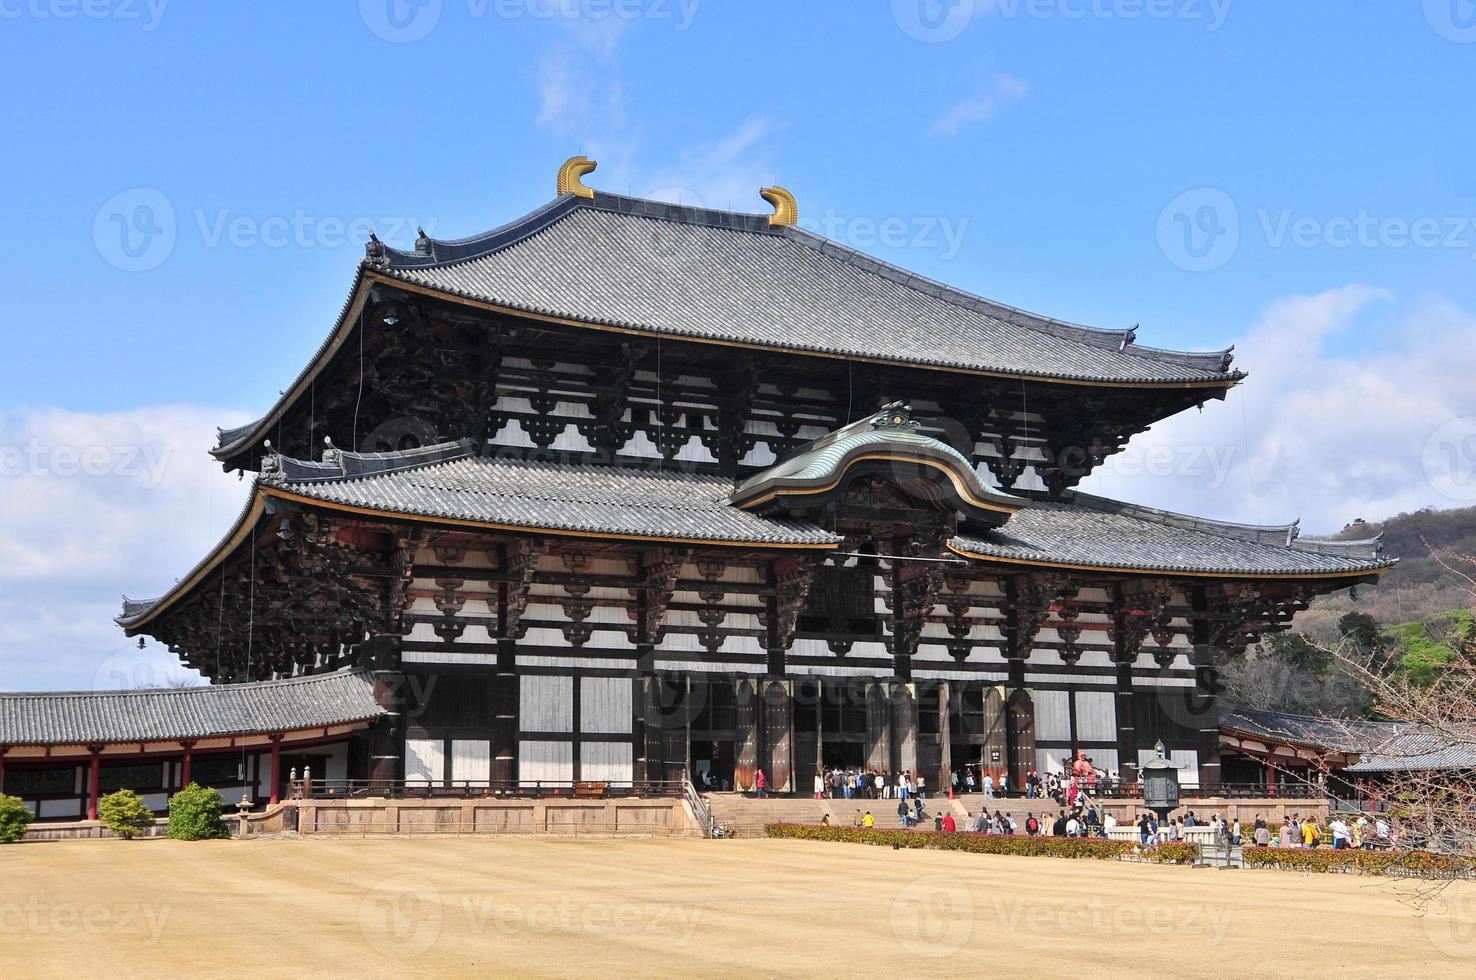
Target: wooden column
pixel 945 740
pixel 3 749
pixel 1206 683
pixel 879 727
pixel 904 727
pixel 1127 736
pixel 184 769
pixel 276 770
pixel 94 779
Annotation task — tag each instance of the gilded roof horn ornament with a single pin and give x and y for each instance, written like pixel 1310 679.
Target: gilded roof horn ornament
pixel 786 209
pixel 569 177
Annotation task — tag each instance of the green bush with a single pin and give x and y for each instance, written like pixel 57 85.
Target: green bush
pixel 14 816
pixel 1420 863
pixel 124 813
pixel 194 814
pixel 1066 847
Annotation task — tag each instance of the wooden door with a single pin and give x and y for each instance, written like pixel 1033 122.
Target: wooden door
pixel 995 750
pixel 779 735
pixel 1021 736
pixel 746 762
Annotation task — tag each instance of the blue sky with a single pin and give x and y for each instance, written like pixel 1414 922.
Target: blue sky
pixel 187 184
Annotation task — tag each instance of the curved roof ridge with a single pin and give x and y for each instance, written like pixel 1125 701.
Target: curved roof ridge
pixel 431 252
pixel 343 464
pixel 195 689
pixel 1250 532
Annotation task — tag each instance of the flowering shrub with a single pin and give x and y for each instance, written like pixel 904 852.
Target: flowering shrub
pixel 1367 862
pixel 1067 847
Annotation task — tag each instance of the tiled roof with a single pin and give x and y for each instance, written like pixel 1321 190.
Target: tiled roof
pixel 84 717
pixel 1288 729
pixel 654 502
pixel 1094 532
pixel 1410 749
pixel 721 275
pixel 1382 746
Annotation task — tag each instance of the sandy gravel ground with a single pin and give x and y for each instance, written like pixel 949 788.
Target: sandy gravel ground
pixel 536 907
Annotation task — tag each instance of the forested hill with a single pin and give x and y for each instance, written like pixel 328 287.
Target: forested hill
pixel 1419 586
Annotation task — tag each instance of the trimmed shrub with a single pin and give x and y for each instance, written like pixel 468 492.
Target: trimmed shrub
pixel 194 814
pixel 14 817
pixel 1066 847
pixel 124 813
pixel 1421 863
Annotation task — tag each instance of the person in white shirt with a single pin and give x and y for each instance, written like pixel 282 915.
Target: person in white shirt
pixel 1342 834
pixel 1109 823
pixel 988 786
pixel 1073 827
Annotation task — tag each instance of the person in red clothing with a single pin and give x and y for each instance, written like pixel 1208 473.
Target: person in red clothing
pixel 758 783
pixel 948 823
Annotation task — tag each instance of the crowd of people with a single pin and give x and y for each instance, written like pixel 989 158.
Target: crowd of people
pixel 861 783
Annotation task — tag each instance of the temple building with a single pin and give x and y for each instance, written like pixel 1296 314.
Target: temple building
pixel 625 487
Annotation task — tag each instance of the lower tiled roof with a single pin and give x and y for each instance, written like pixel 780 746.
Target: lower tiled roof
pixel 91 717
pixel 1093 532
pixel 566 497
pixel 1381 746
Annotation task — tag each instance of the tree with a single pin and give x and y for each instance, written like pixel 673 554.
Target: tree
pixel 194 814
pixel 14 818
pixel 124 813
pixel 1366 635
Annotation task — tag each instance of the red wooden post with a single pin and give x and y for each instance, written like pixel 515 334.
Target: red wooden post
pixel 94 777
pixel 3 749
pixel 276 768
pixel 184 770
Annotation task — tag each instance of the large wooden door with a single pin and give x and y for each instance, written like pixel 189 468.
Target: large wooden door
pixel 779 735
pixel 746 701
pixel 995 749
pixel 1021 736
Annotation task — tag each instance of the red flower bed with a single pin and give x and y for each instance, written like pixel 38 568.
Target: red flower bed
pixel 1066 847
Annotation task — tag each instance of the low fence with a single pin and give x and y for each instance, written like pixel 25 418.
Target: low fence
pixel 555 816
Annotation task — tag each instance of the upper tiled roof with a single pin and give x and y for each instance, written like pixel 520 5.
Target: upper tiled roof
pixel 1094 532
pixel 653 502
pixel 86 717
pixel 722 275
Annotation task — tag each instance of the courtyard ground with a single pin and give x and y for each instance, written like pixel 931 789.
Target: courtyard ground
pixel 540 907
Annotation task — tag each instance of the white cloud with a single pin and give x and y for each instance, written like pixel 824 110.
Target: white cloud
pixel 994 94
pixel 723 173
pixel 96 505
pixel 1314 432
pixel 579 86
